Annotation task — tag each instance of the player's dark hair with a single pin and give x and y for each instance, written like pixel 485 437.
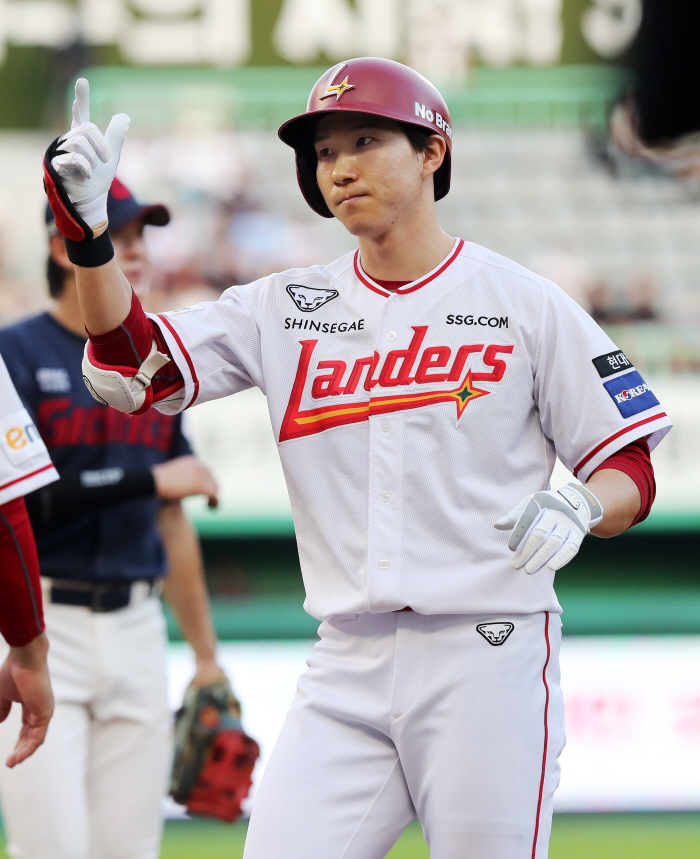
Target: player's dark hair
pixel 56 277
pixel 417 135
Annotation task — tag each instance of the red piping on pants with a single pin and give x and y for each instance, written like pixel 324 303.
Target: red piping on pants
pixel 546 736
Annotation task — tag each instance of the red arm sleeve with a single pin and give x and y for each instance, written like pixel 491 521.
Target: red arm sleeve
pixel 21 609
pixel 635 461
pixel 125 348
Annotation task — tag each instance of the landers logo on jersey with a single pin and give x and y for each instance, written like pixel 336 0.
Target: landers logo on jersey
pixel 422 367
pixel 631 394
pixel 308 299
pixel 337 89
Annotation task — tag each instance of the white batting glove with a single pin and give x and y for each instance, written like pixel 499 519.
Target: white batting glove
pixel 88 160
pixel 548 527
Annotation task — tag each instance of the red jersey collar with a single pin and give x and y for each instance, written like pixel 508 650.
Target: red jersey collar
pixel 410 287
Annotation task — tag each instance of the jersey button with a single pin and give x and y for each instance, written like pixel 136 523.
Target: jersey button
pixel 386 427
pixel 391 336
pixel 385 496
pixel 383 564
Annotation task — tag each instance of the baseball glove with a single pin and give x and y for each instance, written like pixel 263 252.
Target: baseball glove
pixel 214 758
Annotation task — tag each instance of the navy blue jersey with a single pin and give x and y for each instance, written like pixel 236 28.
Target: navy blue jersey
pixel 118 542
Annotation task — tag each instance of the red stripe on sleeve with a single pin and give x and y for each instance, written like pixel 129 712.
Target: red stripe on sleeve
pixel 26 476
pixel 607 441
pixel 634 460
pixel 21 609
pixel 184 351
pixel 126 347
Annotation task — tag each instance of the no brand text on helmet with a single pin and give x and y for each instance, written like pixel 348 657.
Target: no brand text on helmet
pixel 433 116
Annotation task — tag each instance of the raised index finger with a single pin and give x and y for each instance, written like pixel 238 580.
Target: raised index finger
pixel 81 105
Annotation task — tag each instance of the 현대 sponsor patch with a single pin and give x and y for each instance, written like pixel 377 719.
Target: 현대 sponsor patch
pixel 631 394
pixel 613 362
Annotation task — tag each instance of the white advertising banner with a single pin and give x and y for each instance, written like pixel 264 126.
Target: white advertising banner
pixel 632 709
pixel 632 714
pixel 234 437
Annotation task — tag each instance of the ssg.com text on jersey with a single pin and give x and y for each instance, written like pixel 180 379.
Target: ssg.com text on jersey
pixel 490 321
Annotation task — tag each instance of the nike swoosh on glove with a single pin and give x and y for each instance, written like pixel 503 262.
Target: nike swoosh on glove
pixel 548 527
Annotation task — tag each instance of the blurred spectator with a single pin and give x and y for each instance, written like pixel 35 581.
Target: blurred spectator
pixel 638 304
pixel 16 300
pixel 601 303
pixel 641 298
pixel 560 262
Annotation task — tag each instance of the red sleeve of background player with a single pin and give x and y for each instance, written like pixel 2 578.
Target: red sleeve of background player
pixel 635 461
pixel 125 348
pixel 21 609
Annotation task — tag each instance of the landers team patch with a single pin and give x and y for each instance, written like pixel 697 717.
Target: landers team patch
pixel 631 394
pixel 308 298
pixel 495 633
pixel 613 362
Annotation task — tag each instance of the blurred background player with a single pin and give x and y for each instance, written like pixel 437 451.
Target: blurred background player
pixel 24 678
pixel 658 120
pixel 106 532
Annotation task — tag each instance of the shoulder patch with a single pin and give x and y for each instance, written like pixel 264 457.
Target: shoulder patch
pixel 613 362
pixel 308 298
pixel 19 438
pixel 631 394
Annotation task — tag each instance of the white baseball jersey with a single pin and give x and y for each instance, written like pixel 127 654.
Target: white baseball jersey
pixel 25 464
pixel 408 422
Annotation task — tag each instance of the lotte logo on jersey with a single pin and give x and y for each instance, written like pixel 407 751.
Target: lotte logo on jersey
pixel 401 367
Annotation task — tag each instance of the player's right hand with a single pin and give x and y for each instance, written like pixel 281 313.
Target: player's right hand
pixel 184 476
pixel 87 160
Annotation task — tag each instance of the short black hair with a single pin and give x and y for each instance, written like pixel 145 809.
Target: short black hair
pixel 56 277
pixel 417 135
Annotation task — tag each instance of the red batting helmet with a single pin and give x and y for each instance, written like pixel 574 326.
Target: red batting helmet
pixel 367 85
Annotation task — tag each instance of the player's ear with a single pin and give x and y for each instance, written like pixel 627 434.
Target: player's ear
pixel 58 253
pixel 434 153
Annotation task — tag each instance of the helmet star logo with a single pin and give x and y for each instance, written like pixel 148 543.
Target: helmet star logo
pixel 337 89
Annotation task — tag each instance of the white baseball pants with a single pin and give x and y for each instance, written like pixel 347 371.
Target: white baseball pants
pixel 402 715
pixel 94 789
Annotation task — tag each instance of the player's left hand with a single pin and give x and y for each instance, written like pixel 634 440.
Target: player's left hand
pixel 208 672
pixel 548 527
pixel 214 758
pixel 84 163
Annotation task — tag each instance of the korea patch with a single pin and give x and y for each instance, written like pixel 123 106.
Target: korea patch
pixel 613 362
pixel 308 299
pixel 631 394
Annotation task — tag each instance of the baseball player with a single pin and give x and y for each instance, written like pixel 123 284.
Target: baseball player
pixel 103 532
pixel 24 465
pixel 420 389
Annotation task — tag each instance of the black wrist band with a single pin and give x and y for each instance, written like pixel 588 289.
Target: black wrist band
pixel 91 252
